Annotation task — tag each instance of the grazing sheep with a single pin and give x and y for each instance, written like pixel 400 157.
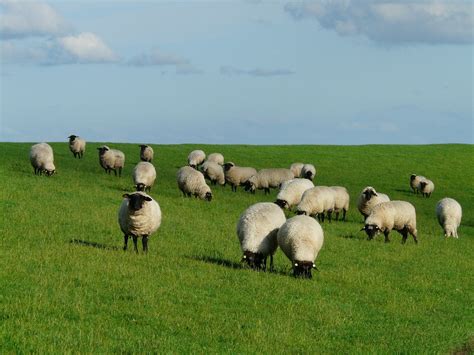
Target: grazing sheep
pixel 341 201
pixel 257 230
pixel 368 199
pixel 415 182
pixel 268 178
pixel 316 202
pixel 449 213
pixel 111 159
pixel 146 153
pixel 191 182
pixel 139 216
pixel 195 158
pixel 237 175
pixel 42 159
pixel 308 171
pixel 398 215
pixel 213 172
pixel 144 175
pixel 291 192
pixel 301 238
pixel 426 187
pixel 77 146
pixel 216 158
pixel 296 169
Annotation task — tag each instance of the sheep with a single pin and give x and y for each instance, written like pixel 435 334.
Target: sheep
pixel 111 159
pixel 213 172
pixel 296 169
pixel 308 171
pixel 216 158
pixel 341 201
pixel 449 213
pixel 426 187
pixel 291 192
pixel 139 216
pixel 257 232
pixel 144 175
pixel 398 215
pixel 317 201
pixel 195 158
pixel 146 153
pixel 415 182
pixel 77 146
pixel 368 199
pixel 267 178
pixel 191 182
pixel 237 175
pixel 301 238
pixel 42 159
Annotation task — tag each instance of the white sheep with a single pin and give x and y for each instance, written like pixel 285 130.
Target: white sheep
pixel 111 159
pixel 42 159
pixel 216 158
pixel 368 199
pixel 237 175
pixel 291 192
pixel 449 213
pixel 301 238
pixel 426 187
pixel 77 146
pixel 144 175
pixel 191 182
pixel 268 178
pixel 213 172
pixel 341 201
pixel 415 182
pixel 308 171
pixel 317 201
pixel 146 153
pixel 195 158
pixel 296 169
pixel 398 215
pixel 257 232
pixel 139 216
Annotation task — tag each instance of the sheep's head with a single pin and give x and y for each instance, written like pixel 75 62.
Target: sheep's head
pixel 49 172
pixel 208 196
pixel 412 177
pixel 301 213
pixel 255 260
pixel 309 175
pixel 142 147
pixel 136 201
pixel 228 166
pixel 140 187
pixel 368 193
pixel 303 269
pixel 251 184
pixel 103 149
pixel 423 185
pixel 372 230
pixel 72 137
pixel 282 203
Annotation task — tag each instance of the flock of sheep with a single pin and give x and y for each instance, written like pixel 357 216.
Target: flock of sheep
pixel 263 226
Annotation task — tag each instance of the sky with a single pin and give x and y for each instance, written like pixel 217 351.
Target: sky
pixel 229 72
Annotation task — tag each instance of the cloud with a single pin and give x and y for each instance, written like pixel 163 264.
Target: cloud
pixel 392 22
pixel 86 47
pixel 228 70
pixel 158 58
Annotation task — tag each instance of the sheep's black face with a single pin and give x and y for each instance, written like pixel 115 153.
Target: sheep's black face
pixel 136 201
pixel 308 175
pixel 49 172
pixel 412 177
pixel 227 166
pixel 142 147
pixel 254 260
pixel 248 186
pixel 140 187
pixel 282 203
pixel 423 185
pixel 301 213
pixel 194 166
pixel 208 196
pixel 72 137
pixel 102 150
pixel 368 194
pixel 303 269
pixel 372 230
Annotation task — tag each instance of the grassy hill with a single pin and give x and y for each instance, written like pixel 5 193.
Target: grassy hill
pixel 66 285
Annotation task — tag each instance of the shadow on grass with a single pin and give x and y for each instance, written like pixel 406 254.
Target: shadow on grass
pixel 406 192
pixel 93 244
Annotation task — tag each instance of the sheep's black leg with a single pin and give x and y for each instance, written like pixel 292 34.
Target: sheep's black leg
pixel 135 242
pixel 120 172
pixel 337 216
pixel 265 264
pixel 267 191
pixel 271 263
pixel 386 233
pixel 125 241
pixel 404 232
pixel 344 215
pixel 145 243
pixel 115 172
pixel 322 216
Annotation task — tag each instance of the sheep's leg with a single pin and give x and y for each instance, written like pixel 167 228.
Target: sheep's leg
pixel 135 240
pixel 404 232
pixel 329 215
pixel 386 233
pixel 120 172
pixel 265 264
pixel 413 233
pixel 344 215
pixel 337 216
pixel 322 216
pixel 145 243
pixel 267 190
pixel 125 241
pixel 271 263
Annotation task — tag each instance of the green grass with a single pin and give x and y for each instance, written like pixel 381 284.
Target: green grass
pixel 190 294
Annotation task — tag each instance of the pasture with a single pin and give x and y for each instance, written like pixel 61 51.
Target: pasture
pixel 67 286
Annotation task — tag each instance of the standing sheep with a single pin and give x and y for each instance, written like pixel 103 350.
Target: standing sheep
pixel 237 175
pixel 415 182
pixel 217 158
pixel 291 192
pixel 368 199
pixel 301 238
pixel 341 201
pixel 268 178
pixel 296 169
pixel 111 159
pixel 77 146
pixel 426 187
pixel 191 182
pixel 139 216
pixel 316 202
pixel 213 172
pixel 144 175
pixel 257 230
pixel 42 159
pixel 449 213
pixel 308 171
pixel 398 215
pixel 195 158
pixel 146 153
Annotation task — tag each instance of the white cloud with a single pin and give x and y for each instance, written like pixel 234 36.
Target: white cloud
pixel 87 47
pixel 228 70
pixel 393 22
pixel 159 58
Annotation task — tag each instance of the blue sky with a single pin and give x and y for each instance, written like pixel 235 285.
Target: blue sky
pixel 257 72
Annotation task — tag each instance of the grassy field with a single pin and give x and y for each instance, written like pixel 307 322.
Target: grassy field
pixel 66 285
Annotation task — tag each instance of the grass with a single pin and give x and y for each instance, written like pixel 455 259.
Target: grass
pixel 66 285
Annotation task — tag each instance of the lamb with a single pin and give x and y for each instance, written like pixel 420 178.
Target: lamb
pixel 291 192
pixel 398 215
pixel 341 201
pixel 308 171
pixel 237 175
pixel 316 202
pixel 42 159
pixel 77 146
pixel 139 216
pixel 426 187
pixel 368 199
pixel 296 169
pixel 216 158
pixel 111 159
pixel 195 158
pixel 301 238
pixel 144 175
pixel 415 182
pixel 146 153
pixel 191 182
pixel 213 172
pixel 267 178
pixel 449 213
pixel 257 232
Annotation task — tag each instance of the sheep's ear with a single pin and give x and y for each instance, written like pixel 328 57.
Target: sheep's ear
pixel 126 196
pixel 148 198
